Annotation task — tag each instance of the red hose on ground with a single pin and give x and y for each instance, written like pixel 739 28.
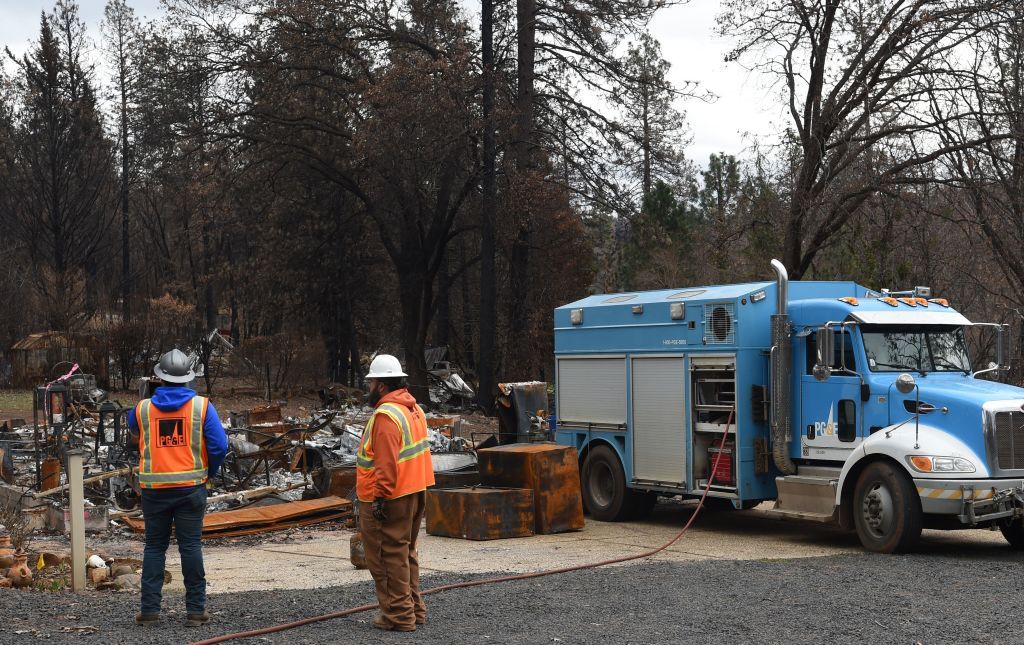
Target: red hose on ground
pixel 476 583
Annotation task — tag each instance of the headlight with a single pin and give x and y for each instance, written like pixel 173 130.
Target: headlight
pixel 929 464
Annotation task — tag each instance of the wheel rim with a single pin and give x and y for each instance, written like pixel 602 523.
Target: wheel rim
pixel 878 511
pixel 602 484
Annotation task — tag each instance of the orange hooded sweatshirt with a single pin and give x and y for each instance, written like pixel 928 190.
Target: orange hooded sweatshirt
pixel 390 478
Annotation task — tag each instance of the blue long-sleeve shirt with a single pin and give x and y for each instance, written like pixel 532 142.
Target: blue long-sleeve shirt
pixel 169 398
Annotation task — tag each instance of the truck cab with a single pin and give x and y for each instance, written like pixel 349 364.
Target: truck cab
pixel 843 404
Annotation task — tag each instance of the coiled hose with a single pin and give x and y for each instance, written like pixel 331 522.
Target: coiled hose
pixel 476 583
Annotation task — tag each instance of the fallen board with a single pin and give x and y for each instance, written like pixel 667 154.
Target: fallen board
pixel 269 528
pixel 260 519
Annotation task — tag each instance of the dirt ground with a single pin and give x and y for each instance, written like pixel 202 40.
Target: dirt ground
pixel 713 585
pixel 316 557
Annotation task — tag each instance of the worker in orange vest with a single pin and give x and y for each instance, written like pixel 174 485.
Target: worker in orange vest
pixel 181 444
pixel 393 469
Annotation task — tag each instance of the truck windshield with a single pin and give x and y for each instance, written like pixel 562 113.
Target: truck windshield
pixel 922 348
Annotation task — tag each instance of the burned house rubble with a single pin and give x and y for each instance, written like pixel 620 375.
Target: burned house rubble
pixel 280 472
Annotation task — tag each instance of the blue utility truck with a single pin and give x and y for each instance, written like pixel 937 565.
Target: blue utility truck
pixel 845 405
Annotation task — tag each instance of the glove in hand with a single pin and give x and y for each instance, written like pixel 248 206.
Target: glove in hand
pixel 379 512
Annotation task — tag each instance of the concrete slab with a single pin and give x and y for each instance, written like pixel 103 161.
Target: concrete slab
pixel 321 559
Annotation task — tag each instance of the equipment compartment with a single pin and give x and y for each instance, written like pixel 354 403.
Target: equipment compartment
pixel 713 382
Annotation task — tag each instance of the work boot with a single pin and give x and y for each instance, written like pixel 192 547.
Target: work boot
pixel 147 619
pixel 380 622
pixel 197 620
pixel 421 620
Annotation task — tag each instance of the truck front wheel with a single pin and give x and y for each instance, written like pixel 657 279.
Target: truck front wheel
pixel 604 486
pixel 1014 533
pixel 886 509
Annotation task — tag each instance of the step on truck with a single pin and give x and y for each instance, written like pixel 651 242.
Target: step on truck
pixel 845 405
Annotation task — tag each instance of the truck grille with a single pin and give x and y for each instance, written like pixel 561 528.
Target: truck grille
pixel 1010 440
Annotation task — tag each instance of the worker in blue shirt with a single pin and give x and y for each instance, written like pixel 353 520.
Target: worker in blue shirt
pixel 182 444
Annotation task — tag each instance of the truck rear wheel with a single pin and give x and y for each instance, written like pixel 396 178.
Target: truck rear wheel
pixel 886 509
pixel 604 486
pixel 1014 533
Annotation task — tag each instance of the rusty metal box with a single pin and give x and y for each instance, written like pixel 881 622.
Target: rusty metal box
pixel 341 480
pixel 480 513
pixel 550 470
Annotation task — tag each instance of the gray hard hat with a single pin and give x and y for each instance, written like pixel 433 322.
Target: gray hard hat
pixel 174 367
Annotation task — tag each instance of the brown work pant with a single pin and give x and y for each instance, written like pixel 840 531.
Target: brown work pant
pixel 391 556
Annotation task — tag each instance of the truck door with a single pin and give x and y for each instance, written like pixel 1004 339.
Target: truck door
pixel 831 413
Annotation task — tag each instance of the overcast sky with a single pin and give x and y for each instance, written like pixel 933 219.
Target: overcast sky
pixel 686 34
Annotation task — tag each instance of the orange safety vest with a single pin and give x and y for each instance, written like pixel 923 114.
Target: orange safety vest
pixel 171 445
pixel 415 470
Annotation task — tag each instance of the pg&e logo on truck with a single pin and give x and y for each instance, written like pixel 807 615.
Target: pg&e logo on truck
pixel 170 433
pixel 825 428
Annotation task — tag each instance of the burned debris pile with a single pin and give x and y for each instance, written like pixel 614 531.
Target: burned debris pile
pixel 281 472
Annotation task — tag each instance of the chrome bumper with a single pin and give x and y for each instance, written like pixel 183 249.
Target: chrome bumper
pixel 972 501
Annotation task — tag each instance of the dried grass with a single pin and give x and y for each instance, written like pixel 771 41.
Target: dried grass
pixel 15 523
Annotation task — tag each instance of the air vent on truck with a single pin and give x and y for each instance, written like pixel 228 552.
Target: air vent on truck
pixel 719 324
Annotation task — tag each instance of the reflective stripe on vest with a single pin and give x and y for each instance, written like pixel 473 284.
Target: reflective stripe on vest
pixel 409 449
pixel 152 478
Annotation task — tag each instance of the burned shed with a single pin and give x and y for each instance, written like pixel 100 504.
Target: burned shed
pixel 34 357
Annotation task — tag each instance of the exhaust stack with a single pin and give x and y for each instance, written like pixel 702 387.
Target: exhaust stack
pixel 780 375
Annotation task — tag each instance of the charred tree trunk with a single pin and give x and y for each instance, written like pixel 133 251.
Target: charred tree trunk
pixel 444 308
pixel 468 353
pixel 646 143
pixel 355 374
pixel 209 308
pixel 488 282
pixel 518 359
pixel 335 339
pixel 415 291
pixel 526 49
pixel 126 276
pixel 519 258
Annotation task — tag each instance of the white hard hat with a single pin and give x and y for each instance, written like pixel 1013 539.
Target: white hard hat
pixel 385 366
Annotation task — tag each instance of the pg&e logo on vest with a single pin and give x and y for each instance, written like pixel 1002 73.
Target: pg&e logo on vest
pixel 170 433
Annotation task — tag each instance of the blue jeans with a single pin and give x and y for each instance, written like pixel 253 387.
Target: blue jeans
pixel 186 508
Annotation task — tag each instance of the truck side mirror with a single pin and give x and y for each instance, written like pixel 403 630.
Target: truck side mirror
pixel 824 342
pixel 1003 362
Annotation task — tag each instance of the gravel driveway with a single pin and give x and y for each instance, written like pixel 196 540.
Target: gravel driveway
pixel 835 599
